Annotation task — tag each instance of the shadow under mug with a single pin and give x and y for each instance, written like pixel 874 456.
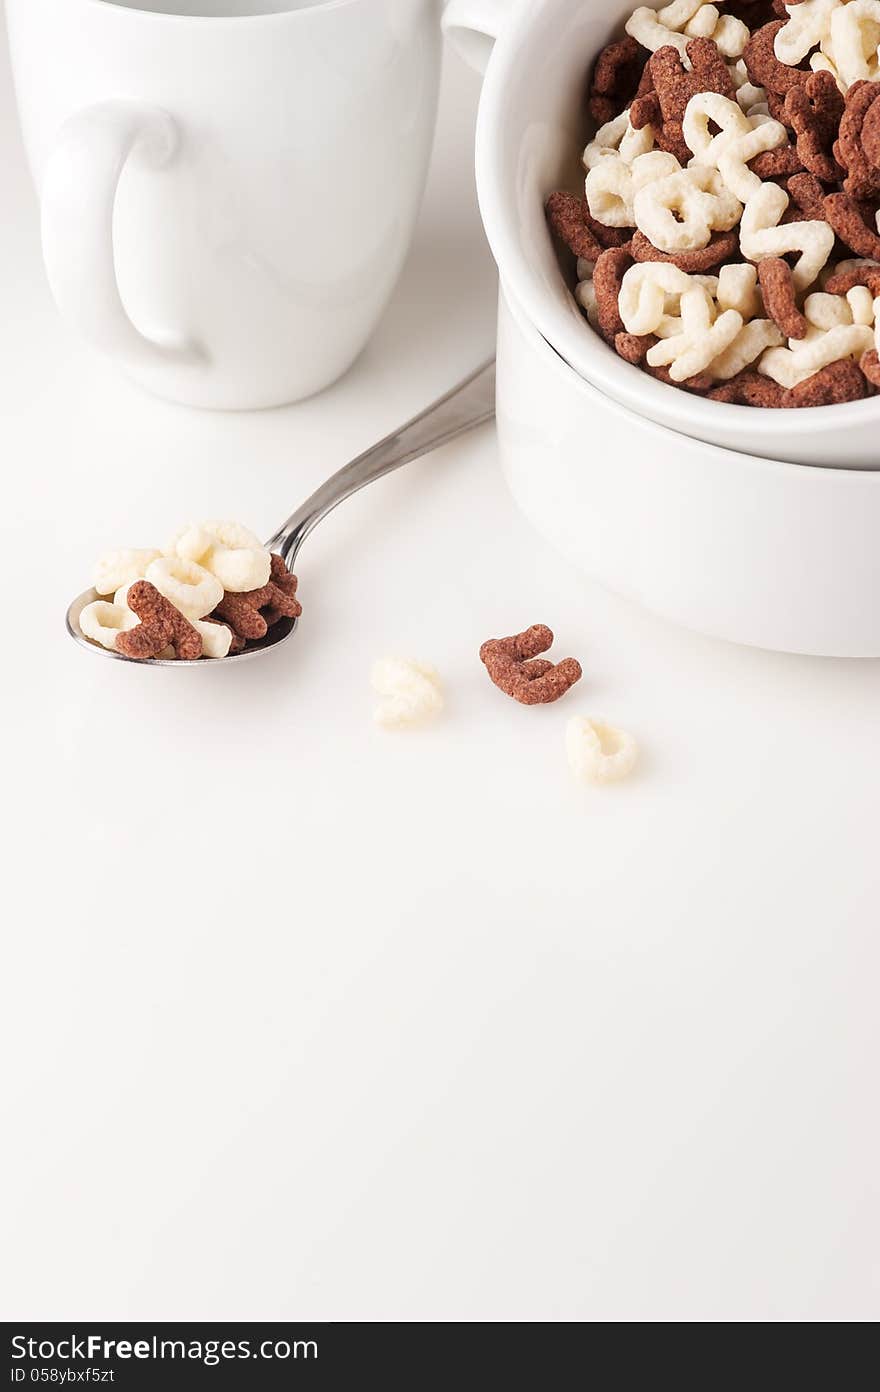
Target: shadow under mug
pixel 228 188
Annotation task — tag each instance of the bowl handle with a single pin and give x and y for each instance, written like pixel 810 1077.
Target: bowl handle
pixel 472 26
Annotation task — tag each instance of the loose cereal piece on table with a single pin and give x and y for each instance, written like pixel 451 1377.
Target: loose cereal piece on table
pixel 515 668
pixel 411 692
pixel 599 752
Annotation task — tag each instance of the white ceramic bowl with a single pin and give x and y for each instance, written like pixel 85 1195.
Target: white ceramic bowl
pixel 747 549
pixel 531 129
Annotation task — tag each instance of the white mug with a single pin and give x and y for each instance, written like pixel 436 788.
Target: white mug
pixel 228 188
pixel 530 131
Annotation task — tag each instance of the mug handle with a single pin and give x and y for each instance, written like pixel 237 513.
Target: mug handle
pixel 77 198
pixel 472 26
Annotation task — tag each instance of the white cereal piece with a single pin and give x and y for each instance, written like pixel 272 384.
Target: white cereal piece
pixel 680 211
pixel 190 587
pixel 853 38
pixel 738 141
pixel 748 95
pixel 877 324
pixel 116 568
pixel 680 12
pixel 752 340
pixel 703 109
pixel 701 338
pixel 598 752
pixel 216 637
pixel 823 61
pixel 704 22
pixel 761 235
pixel 734 154
pixel 729 35
pixel 410 692
pixel 861 304
pixel 808 24
pixel 643 294
pixel 739 74
pixel 646 28
pixel 635 143
pixel 826 312
pixel 611 186
pixel 789 366
pixel 585 294
pixel 101 621
pixel 738 289
pixel 656 164
pixel 609 189
pixel 618 139
pixel 606 142
pixel 229 551
pixel 682 20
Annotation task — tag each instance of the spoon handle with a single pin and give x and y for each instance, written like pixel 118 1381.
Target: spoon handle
pixel 469 404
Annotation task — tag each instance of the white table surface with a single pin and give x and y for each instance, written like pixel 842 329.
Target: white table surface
pixel 305 1020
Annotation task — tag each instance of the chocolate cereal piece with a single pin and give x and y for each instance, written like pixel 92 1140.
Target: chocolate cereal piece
pixel 844 281
pixel 778 163
pixel 283 603
pixel 808 194
pixel 871 135
pixel 673 88
pixel 633 347
pixel 862 172
pixel 250 615
pixel 814 109
pixel 514 667
pixel 777 287
pixel 568 217
pixel 845 216
pixel 721 246
pixel 608 274
pixel 764 68
pixel 830 386
pixel 161 626
pixel 870 366
pixel 699 384
pixel 616 77
pixel 750 388
pixel 836 383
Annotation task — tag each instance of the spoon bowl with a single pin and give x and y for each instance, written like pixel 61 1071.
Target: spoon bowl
pixel 469 404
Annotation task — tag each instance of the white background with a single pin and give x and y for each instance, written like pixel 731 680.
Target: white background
pixel 302 1019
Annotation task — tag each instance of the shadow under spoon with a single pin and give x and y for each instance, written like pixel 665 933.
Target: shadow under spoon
pixel 469 404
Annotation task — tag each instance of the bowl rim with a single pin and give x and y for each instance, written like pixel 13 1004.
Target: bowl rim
pixel 575 342
pixel 718 454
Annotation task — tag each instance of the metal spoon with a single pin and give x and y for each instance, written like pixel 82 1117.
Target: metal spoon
pixel 469 404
